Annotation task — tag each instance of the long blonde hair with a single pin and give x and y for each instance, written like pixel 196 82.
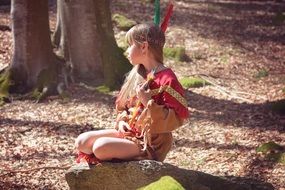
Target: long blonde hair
pixel 138 34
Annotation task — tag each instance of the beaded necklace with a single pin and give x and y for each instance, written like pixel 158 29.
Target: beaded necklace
pixel 139 105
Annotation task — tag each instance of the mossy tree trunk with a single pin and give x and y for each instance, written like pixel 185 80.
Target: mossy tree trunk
pixel 87 41
pixel 115 63
pixel 33 58
pixel 84 38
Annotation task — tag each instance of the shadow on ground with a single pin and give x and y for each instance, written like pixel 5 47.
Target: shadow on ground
pixel 236 114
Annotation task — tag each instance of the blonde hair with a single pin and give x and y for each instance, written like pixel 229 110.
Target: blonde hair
pixel 138 34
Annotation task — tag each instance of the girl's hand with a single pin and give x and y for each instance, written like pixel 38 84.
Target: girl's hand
pixel 143 95
pixel 123 127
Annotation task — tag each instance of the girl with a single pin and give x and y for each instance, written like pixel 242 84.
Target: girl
pixel 150 105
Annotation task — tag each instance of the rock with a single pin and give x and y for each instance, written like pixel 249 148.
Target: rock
pixel 143 175
pixel 123 22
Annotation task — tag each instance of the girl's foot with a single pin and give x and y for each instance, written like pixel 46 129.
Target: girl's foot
pixel 89 158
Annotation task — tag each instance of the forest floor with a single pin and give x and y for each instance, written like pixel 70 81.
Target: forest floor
pixel 237 45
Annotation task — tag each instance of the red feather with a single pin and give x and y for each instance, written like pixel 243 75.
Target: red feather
pixel 166 19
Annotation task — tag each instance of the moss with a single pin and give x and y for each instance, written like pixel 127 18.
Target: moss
pixel 103 89
pixel 273 152
pixel 46 84
pixel 261 74
pixel 177 53
pixel 276 157
pixel 122 43
pixel 46 78
pixel 268 147
pixel 123 22
pixel 5 83
pixel 164 183
pixel 36 94
pixel 193 82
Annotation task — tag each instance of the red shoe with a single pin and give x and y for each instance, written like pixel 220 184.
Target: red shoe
pixel 89 158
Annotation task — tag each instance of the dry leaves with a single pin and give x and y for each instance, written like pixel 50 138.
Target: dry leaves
pixel 230 41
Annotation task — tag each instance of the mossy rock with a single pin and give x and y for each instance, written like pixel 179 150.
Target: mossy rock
pixel 176 53
pixel 123 22
pixel 268 147
pixel 278 157
pixel 193 82
pixel 164 183
pixel 273 152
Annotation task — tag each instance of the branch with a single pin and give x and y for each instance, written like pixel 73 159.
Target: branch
pixel 232 94
pixel 34 169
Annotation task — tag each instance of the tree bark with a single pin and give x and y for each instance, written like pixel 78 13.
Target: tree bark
pixel 78 38
pixel 115 64
pixel 86 44
pixel 5 2
pixel 32 53
pixel 87 41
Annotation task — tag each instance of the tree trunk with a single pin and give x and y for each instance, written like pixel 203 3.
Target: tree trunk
pixel 5 2
pixel 33 62
pixel 57 33
pixel 87 41
pixel 115 64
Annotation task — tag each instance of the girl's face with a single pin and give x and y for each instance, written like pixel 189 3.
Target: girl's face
pixel 135 54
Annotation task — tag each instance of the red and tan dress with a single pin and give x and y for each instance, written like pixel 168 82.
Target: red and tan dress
pixel 152 127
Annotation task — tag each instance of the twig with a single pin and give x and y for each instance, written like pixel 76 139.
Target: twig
pixel 34 169
pixel 87 86
pixel 231 93
pixel 221 89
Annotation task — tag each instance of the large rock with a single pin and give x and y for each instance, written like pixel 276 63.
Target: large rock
pixel 138 174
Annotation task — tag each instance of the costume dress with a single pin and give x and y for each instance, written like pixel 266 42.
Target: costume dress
pixel 152 127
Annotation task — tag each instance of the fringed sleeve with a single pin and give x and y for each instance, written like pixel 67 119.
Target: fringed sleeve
pixel 163 120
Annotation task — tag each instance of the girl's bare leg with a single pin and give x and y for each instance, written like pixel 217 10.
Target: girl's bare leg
pixel 85 141
pixel 107 148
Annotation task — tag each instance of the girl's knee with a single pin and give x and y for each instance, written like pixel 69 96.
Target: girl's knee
pixel 101 148
pixel 80 141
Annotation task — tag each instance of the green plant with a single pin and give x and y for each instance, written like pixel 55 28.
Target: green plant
pixel 193 82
